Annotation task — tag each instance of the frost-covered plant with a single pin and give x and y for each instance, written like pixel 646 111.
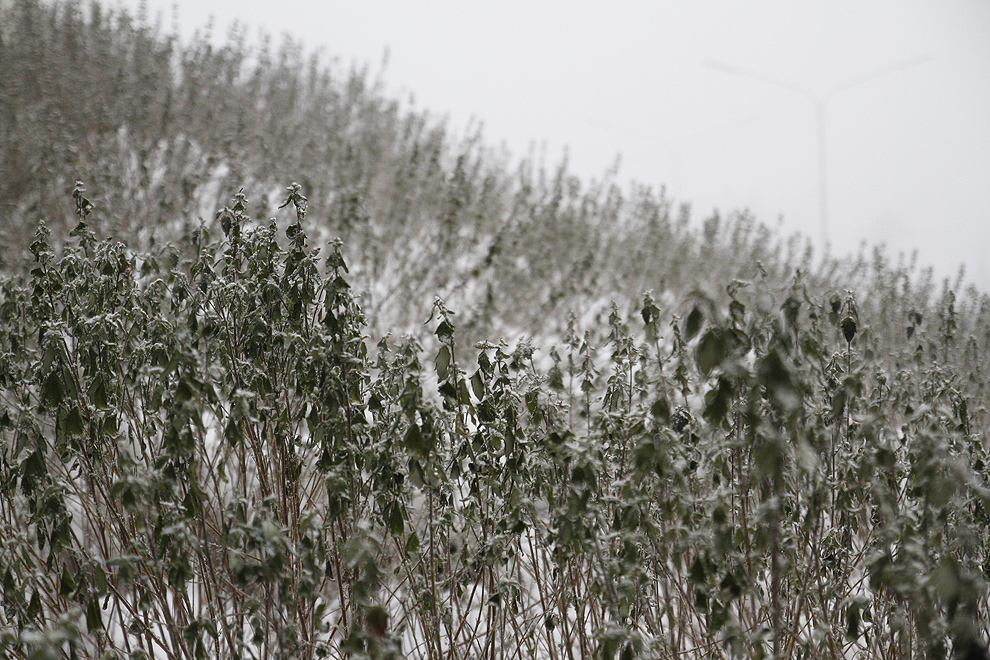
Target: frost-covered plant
pixel 201 457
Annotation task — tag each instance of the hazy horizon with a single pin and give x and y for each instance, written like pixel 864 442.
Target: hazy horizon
pixel 907 151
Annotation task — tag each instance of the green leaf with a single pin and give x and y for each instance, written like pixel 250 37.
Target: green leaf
pixel 184 392
pixel 415 442
pixel 9 586
pixel 693 324
pixel 945 580
pixel 449 394
pixel 698 573
pixel 717 401
pixel 34 606
pixel 775 375
pixel 652 334
pixel 52 392
pixel 99 578
pixel 396 523
pixel 486 412
pixel 811 347
pixel 730 586
pixel 719 616
pixel 532 399
pixel 849 329
pixel 609 646
pixel 94 616
pixel 712 351
pixel 74 424
pixel 417 476
pixel 48 358
pixel 443 363
pixel 463 396
pixel 412 544
pixel 66 585
pixel 61 534
pixel 885 457
pixel 661 410
pixel 839 403
pixel 32 471
pixel 478 385
pixel 111 425
pixel 769 457
pixel 191 504
pixel 852 620
pixel 234 433
pixel 98 392
pixel 445 331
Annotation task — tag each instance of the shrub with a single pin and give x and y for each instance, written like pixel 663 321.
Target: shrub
pixel 201 457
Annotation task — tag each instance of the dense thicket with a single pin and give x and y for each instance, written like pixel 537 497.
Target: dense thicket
pixel 164 133
pixel 210 444
pixel 201 458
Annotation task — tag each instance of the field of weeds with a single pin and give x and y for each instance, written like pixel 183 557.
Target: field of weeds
pixel 427 403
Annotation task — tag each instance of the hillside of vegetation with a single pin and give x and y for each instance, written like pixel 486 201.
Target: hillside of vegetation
pixel 288 370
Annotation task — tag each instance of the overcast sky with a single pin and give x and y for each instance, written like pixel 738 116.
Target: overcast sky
pixel 907 151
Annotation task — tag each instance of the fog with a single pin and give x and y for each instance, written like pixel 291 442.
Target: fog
pixel 728 105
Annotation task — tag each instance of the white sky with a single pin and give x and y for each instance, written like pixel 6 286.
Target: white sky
pixel 907 153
